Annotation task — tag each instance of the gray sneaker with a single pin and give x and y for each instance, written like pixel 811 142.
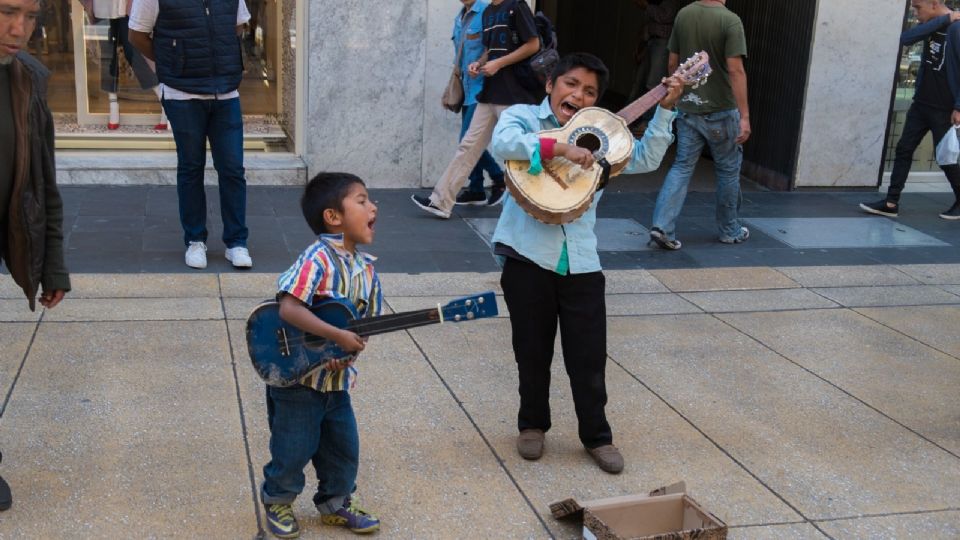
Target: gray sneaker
pixel 744 235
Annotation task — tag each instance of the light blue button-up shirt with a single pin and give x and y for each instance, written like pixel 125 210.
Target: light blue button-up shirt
pixel 516 137
pixel 472 33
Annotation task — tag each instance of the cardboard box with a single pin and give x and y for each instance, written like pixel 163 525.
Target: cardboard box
pixel 667 513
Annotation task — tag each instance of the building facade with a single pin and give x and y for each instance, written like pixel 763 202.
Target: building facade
pixel 356 86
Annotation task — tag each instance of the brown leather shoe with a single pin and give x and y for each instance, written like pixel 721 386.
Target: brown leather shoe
pixel 607 457
pixel 530 444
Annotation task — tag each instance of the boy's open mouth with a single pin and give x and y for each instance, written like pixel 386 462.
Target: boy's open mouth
pixel 371 223
pixel 568 108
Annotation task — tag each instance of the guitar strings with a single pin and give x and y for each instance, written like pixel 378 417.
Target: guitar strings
pixel 359 325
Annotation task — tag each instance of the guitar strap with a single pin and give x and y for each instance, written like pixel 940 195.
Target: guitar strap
pixel 605 177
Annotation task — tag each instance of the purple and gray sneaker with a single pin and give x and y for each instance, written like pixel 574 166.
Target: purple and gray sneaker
pixel 351 516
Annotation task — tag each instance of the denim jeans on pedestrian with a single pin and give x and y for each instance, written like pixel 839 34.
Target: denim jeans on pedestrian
pixel 309 426
pixel 486 163
pixel 719 131
pixel 194 121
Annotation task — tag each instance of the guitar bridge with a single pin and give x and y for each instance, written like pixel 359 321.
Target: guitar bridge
pixel 556 178
pixel 282 342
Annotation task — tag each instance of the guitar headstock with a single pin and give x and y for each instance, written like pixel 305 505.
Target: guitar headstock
pixel 472 307
pixel 695 70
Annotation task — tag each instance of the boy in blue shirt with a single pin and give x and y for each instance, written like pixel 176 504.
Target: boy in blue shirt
pixel 552 272
pixel 314 421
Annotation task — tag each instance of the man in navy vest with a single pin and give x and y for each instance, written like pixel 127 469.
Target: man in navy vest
pixel 196 45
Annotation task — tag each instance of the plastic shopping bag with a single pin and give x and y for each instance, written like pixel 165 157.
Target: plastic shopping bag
pixel 948 149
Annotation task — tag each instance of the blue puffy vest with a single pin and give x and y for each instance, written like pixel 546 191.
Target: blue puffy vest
pixel 196 45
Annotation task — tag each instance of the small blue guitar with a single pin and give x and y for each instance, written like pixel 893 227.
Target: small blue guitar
pixel 282 353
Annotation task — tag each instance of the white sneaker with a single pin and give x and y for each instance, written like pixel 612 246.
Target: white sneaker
pixel 239 257
pixel 196 256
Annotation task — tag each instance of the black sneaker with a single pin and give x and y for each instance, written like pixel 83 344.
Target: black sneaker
pixel 471 198
pixel 496 195
pixel 659 238
pixel 880 208
pixel 427 205
pixel 953 213
pixel 6 498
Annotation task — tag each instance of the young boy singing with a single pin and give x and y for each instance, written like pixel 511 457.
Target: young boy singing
pixel 314 421
pixel 552 273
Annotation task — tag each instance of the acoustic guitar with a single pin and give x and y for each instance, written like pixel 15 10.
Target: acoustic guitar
pixel 282 354
pixel 563 191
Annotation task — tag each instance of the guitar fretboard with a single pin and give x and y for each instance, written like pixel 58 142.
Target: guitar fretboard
pixel 636 109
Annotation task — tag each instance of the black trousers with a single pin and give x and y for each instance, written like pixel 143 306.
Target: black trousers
pixel 537 300
pixel 920 119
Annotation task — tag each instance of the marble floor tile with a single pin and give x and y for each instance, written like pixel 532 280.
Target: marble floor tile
pixel 139 309
pixel 936 326
pixel 932 526
pixel 847 276
pixel 143 286
pixel 765 300
pixel 896 295
pixel 821 450
pixel 477 363
pixel 842 232
pixel 723 279
pixel 121 426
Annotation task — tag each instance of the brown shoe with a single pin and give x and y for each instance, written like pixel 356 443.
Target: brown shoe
pixel 530 444
pixel 607 457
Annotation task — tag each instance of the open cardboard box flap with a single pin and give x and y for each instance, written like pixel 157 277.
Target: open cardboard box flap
pixel 665 513
pixel 570 508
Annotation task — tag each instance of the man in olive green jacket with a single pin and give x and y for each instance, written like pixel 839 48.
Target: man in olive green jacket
pixel 31 211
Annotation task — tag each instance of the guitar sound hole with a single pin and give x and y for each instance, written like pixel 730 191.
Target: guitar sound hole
pixel 589 141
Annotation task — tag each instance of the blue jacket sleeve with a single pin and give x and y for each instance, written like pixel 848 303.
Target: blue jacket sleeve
pixel 923 31
pixel 952 60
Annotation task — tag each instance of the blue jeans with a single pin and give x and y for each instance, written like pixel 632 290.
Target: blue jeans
pixel 194 121
pixel 309 426
pixel 486 163
pixel 719 130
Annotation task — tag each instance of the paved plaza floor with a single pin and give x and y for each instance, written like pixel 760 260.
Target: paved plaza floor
pixel 804 384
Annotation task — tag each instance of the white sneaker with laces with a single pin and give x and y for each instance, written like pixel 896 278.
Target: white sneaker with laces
pixel 196 256
pixel 239 257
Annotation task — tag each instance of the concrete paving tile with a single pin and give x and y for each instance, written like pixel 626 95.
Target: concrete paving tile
pixel 141 309
pixel 240 308
pixel 9 289
pixel 934 274
pixel 897 295
pixel 15 338
pixel 632 281
pixel 936 326
pixel 766 300
pixel 648 304
pixel 723 279
pixel 249 285
pixel 659 448
pixel 423 466
pixel 17 310
pixel 952 289
pixel 116 427
pixel 820 449
pixel 793 531
pixel 847 276
pixel 143 286
pixel 903 378
pixel 932 526
pixel 449 283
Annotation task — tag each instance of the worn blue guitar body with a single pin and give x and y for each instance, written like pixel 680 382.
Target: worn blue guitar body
pixel 282 354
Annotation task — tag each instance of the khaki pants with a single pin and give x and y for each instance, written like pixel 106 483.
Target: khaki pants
pixel 472 145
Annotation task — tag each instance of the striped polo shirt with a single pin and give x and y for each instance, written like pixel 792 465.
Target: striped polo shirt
pixel 327 270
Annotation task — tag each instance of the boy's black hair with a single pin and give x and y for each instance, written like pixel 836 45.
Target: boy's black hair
pixel 325 190
pixel 586 61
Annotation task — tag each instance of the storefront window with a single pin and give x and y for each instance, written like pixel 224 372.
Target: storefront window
pixel 95 70
pixel 924 159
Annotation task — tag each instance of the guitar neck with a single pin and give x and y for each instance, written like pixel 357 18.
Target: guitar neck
pixel 636 109
pixel 372 326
